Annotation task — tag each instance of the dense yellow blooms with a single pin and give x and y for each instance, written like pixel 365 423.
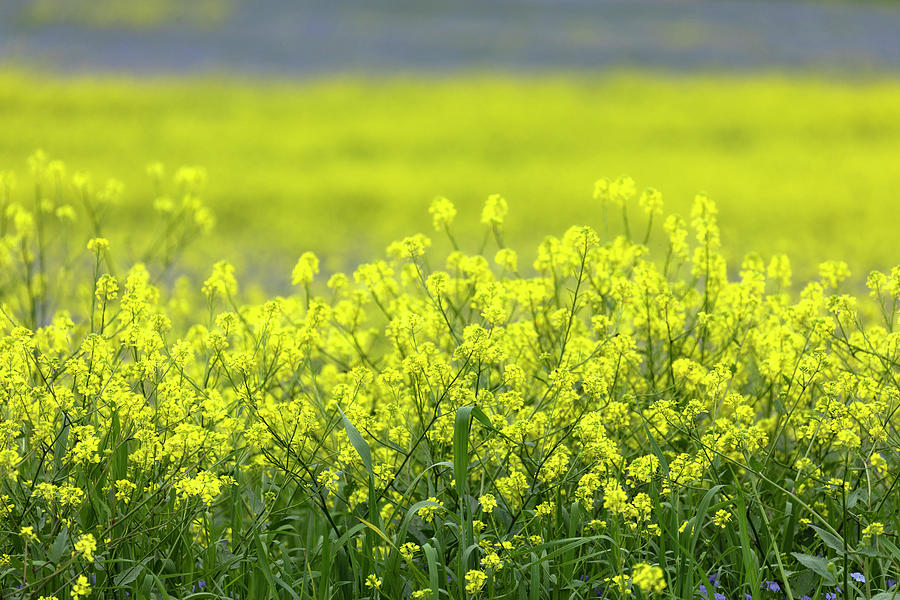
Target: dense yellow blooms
pixel 425 403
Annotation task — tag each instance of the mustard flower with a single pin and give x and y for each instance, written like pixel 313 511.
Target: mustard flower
pixel 475 581
pixel 408 550
pixel 442 213
pixel 649 578
pixel 27 534
pixel 86 546
pixel 833 272
pixel 427 512
pixel 495 209
pixel 651 201
pixel 98 245
pixel 722 518
pixel 80 588
pixel 507 259
pixel 873 529
pixel 222 281
pixel 306 269
pixel 488 503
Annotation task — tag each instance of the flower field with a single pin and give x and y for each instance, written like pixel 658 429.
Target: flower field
pixel 342 165
pixel 607 411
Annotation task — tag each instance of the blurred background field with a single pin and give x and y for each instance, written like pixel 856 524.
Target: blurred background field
pixel 330 126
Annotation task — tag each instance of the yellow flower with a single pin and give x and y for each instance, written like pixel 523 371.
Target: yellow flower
pixel 833 272
pixel 507 259
pixel 649 578
pixel 124 488
pixel 488 503
pixel 86 546
pixel 107 288
pixel 544 509
pixel 427 512
pixel 373 582
pixel 80 588
pixel 651 201
pixel 872 530
pixel 98 245
pixel 495 210
pixel 306 269
pixel 409 247
pixel 475 581
pixel 722 518
pixel 492 560
pixel 408 550
pixel 442 213
pixel 221 282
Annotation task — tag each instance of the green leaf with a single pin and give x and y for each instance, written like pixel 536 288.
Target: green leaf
pixel 700 515
pixel 816 565
pixel 461 448
pixel 461 472
pixel 829 539
pixel 128 576
pixel 362 447
pixel 750 559
pixel 483 418
pixel 433 573
pixel 262 559
pixel 58 548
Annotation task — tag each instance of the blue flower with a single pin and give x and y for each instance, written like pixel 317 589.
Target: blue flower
pixel 891 583
pixel 703 590
pixel 719 596
pixel 772 586
pixel 859 577
pixel 714 579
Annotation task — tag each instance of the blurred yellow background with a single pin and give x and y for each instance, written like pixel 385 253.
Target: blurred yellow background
pixel 344 165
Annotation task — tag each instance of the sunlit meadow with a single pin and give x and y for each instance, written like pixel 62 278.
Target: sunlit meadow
pixel 597 415
pixel 471 300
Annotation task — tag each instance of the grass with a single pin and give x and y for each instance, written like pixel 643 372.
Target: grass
pixel 344 165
